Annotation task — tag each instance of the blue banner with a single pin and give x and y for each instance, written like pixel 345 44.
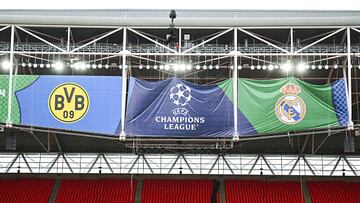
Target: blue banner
pixel 177 108
pixel 77 103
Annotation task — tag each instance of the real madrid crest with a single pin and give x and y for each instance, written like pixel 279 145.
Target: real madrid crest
pixel 290 108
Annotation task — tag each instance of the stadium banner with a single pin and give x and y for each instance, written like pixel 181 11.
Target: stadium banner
pixel 76 103
pixel 177 108
pixel 289 104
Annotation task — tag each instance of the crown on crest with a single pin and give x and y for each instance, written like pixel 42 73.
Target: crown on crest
pixel 290 88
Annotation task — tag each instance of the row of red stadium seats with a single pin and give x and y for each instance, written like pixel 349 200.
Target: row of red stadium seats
pixel 176 191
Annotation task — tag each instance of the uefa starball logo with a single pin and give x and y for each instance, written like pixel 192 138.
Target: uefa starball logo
pixel 180 95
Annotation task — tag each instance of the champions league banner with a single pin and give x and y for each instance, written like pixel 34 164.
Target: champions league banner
pixel 176 108
pixel 289 104
pixel 77 103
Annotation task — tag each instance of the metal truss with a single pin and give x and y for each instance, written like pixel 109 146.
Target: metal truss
pixel 199 164
pixel 204 46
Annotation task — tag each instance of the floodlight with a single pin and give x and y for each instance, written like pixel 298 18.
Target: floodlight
pixel 6 65
pixel 59 66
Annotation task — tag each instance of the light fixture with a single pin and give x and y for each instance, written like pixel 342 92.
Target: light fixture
pixel 204 67
pixel 286 66
pixel 100 65
pixel 211 67
pixel 326 66
pixel 140 66
pixel 264 67
pixel 148 66
pixel 35 65
pixel 336 66
pixel 6 65
pixel 106 66
pixel 53 65
pixel 41 65
pixel 59 66
pixel 231 67
pixel 182 67
pixel 217 67
pixel 197 67
pixel 300 67
pixel 88 66
pixel 258 67
pixel 319 66
pixel 167 67
pixel 155 67
pixel 23 65
pixel 93 66
pixel 82 66
pixel 161 67
pixel 313 67
pixel 276 66
pixel 239 67
pixel 188 67
pixel 271 67
pixel 29 65
pixel 252 67
pixel 120 66
pixel 307 66
pixel 48 65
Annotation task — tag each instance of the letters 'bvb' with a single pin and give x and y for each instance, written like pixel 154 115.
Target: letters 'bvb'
pixel 69 102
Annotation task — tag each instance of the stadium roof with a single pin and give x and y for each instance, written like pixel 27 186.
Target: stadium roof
pixel 186 18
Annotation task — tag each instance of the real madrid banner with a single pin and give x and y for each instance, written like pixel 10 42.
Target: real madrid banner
pixel 178 108
pixel 283 105
pixel 78 103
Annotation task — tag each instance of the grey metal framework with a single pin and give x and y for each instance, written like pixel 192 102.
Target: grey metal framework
pixel 201 164
pixel 264 51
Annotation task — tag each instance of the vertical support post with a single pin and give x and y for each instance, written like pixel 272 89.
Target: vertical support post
pixel 124 83
pixel 235 87
pixel 180 39
pixel 9 119
pixel 349 67
pixel 68 39
pixel 291 40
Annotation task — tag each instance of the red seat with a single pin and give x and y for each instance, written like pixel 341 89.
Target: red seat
pixel 334 191
pixel 256 191
pixel 26 190
pixel 103 190
pixel 176 191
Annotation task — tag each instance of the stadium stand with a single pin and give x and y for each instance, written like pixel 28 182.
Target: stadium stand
pixel 256 191
pixel 103 190
pixel 334 191
pixel 25 190
pixel 176 191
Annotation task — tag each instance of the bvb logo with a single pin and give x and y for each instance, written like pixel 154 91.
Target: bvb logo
pixel 69 102
pixel 290 108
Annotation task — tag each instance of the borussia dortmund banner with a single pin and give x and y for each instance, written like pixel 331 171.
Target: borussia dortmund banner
pixel 178 108
pixel 79 103
pixel 282 105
